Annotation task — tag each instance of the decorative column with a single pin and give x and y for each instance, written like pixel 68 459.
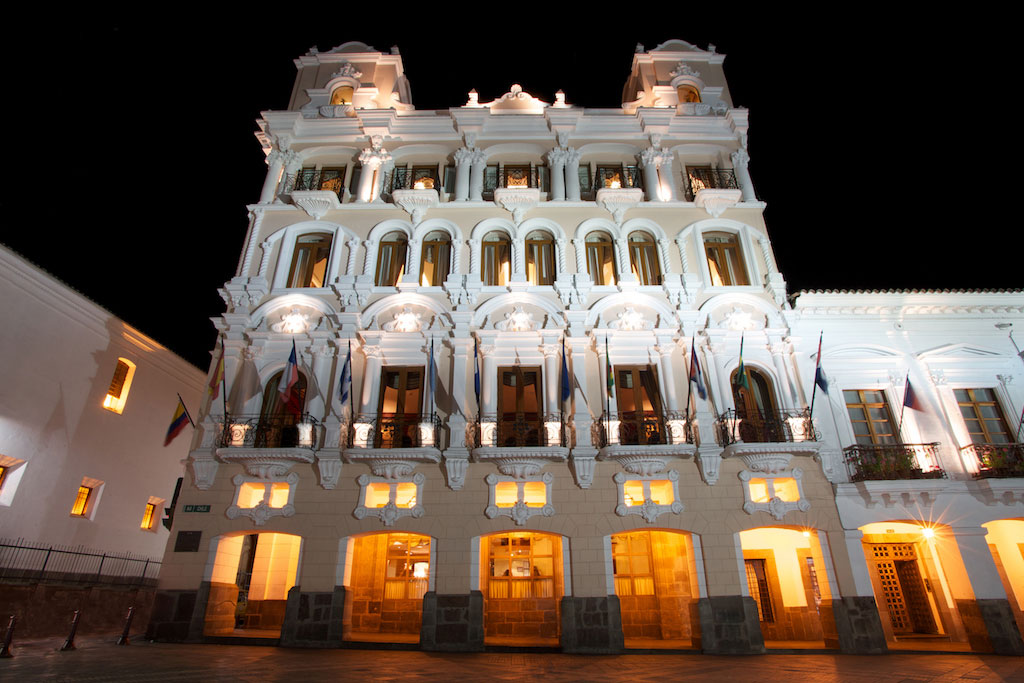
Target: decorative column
pixel 663 255
pixel 255 220
pixel 476 175
pixel 488 391
pixel 581 255
pixel 667 189
pixel 373 159
pixel 766 252
pixel 463 160
pixel 740 163
pixel 572 174
pixel 681 243
pixel 556 162
pixel 668 375
pixel 551 376
pixel 265 261
pixel 779 350
pixel 649 160
pixel 560 256
pixel 518 260
pixel 320 356
pixel 474 256
pixel 292 164
pixel 412 263
pixel 456 456
pixel 275 162
pixel 371 377
pixel 369 254
pixel 622 260
pixel 353 245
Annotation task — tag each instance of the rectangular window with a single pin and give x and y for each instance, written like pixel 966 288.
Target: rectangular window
pixel 81 504
pixel 120 383
pixel 634 566
pixel 636 492
pixel 983 416
pixel 398 416
pixel 870 416
pixel 148 517
pixel 725 261
pixel 639 405
pixel 519 406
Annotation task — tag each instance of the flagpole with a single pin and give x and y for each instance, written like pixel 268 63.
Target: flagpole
pixel 903 408
pixel 223 380
pixel 185 408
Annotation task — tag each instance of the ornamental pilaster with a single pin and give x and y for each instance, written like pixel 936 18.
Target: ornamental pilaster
pixel 560 254
pixel 353 247
pixel 255 221
pixel 766 253
pixel 622 258
pixel 665 356
pixel 370 253
pixel 572 174
pixel 476 176
pixel 663 254
pixel 581 255
pixel 740 164
pixel 556 162
pixel 274 164
pixel 474 256
pixel 265 261
pixel 649 160
pixel 683 257
pixel 463 160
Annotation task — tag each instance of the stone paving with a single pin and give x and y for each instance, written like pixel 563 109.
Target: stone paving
pixel 101 660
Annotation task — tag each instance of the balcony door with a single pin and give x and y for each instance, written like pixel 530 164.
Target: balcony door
pixel 639 405
pixel 278 417
pixel 398 417
pixel 759 419
pixel 520 418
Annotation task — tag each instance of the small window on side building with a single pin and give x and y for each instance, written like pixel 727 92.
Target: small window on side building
pixel 120 383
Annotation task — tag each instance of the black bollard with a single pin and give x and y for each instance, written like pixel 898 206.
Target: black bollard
pixel 123 640
pixel 69 644
pixel 5 649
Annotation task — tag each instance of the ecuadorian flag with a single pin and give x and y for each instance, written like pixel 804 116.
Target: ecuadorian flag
pixel 178 422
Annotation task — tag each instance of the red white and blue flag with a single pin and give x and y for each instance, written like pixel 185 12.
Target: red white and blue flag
pixel 289 378
pixel 696 376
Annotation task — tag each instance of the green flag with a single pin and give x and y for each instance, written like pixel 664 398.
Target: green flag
pixel 608 369
pixel 741 372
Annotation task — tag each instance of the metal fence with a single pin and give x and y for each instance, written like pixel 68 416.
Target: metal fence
pixel 22 560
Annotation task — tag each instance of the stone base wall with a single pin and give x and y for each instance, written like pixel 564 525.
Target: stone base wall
pixel 996 616
pixel 313 619
pixel 45 610
pixel 264 614
pixel 521 617
pixel 858 628
pixel 591 625
pixel 219 618
pixel 794 623
pixel 453 623
pixel 729 626
pixel 178 615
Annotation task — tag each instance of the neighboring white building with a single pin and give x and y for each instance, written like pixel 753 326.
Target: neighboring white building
pixel 84 410
pixel 514 237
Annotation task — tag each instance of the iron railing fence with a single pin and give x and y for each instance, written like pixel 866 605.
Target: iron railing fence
pixel 403 178
pixel 997 460
pixel 394 430
pixel 22 560
pixel 622 178
pixel 268 431
pixel 892 461
pixel 517 431
pixel 511 178
pixel 644 428
pixel 709 179
pixel 782 426
pixel 332 180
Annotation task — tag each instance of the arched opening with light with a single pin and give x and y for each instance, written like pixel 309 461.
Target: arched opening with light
pixel 1006 542
pixel 522 583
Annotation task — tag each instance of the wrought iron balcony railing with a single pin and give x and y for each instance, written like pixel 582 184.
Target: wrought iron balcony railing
pixel 316 179
pixel 268 431
pixel 409 179
pixel 784 426
pixel 892 461
pixel 395 430
pixel 709 179
pixel 998 460
pixel 623 178
pixel 512 178
pixel 644 428
pixel 519 431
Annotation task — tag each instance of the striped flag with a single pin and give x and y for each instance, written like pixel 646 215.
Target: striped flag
pixel 346 376
pixel 696 376
pixel 289 378
pixel 432 372
pixel 218 376
pixel 476 371
pixel 178 422
pixel 910 399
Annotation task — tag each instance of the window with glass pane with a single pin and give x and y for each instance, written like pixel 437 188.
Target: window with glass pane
pixel 870 416
pixel 725 262
pixel 309 262
pixel 610 177
pixel 519 401
pixel 522 565
pixel 332 180
pixel 424 178
pixel 584 175
pixel 517 176
pixel 601 259
pixel 756 402
pixel 449 179
pixel 639 407
pixel 490 181
pixel 757 582
pixel 983 416
pixel 643 258
pixel 634 567
pixel 148 516
pixel 391 259
pixel 540 258
pixel 81 503
pixel 401 396
pixel 435 259
pixel 496 252
pixel 408 567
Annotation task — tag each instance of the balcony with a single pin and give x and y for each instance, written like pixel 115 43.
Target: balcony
pixel 393 444
pixel 709 179
pixel 643 441
pixel 519 446
pixel 267 445
pixel 410 179
pixel 624 178
pixel 997 460
pixel 316 180
pixel 890 462
pixel 514 178
pixel 785 426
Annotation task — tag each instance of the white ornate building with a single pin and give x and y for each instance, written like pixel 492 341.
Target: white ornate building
pixel 531 249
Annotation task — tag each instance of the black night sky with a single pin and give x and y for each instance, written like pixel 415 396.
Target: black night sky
pixel 130 153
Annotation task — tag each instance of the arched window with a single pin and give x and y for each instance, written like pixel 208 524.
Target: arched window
pixel 540 258
pixel 309 262
pixel 725 260
pixel 342 95
pixel 435 259
pixel 497 259
pixel 391 259
pixel 643 258
pixel 688 93
pixel 280 414
pixel 601 259
pixel 759 421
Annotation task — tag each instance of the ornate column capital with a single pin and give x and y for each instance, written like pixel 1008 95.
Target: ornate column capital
pixel 551 350
pixel 375 154
pixel 556 157
pixel 740 158
pixel 463 155
pixel 572 155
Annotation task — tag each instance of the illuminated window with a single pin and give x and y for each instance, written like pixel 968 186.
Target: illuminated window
pixel 983 416
pixel 424 178
pixel 398 416
pixel 11 471
pixel 870 416
pixel 643 258
pixel 390 574
pixel 342 95
pixel 81 501
pixel 521 566
pixel 688 93
pixel 520 414
pixel 659 491
pixel 649 496
pixel 86 498
pixel 601 259
pixel 148 517
pixel 725 260
pixel 260 499
pixel 783 488
pixel 117 394
pixel 639 405
pixel 435 258
pixel 391 259
pixel 540 258
pixel 616 176
pixel 496 259
pixel 776 494
pixel 519 499
pixel 309 263
pixel 329 179
pixel 634 570
pixel 388 499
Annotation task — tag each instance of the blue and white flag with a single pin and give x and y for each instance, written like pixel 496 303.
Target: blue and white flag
pixel 346 376
pixel 566 384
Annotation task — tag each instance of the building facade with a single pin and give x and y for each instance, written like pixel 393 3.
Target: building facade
pixel 83 416
pixel 524 373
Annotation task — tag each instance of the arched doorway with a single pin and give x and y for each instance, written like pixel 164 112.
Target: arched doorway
pixel 657 586
pixel 522 584
pixel 1006 541
pixel 249 584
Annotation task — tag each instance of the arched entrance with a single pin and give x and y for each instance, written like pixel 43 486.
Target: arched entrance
pixel 1006 541
pixel 249 584
pixel 657 586
pixel 388 575
pixel 522 584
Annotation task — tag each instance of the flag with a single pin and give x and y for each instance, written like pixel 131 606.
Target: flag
pixel 695 374
pixel 289 378
pixel 476 372
pixel 432 374
pixel 741 379
pixel 346 376
pixel 245 386
pixel 178 422
pixel 910 399
pixel 610 377
pixel 218 375
pixel 566 385
pixel 819 374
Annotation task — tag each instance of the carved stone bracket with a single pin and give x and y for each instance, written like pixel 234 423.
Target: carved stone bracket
pixel 617 202
pixel 415 202
pixel 583 469
pixel 316 203
pixel 520 463
pixel 204 469
pixel 709 465
pixel 645 459
pixel 329 468
pixel 392 463
pixel 266 463
pixel 517 200
pixel 715 202
pixel 455 467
